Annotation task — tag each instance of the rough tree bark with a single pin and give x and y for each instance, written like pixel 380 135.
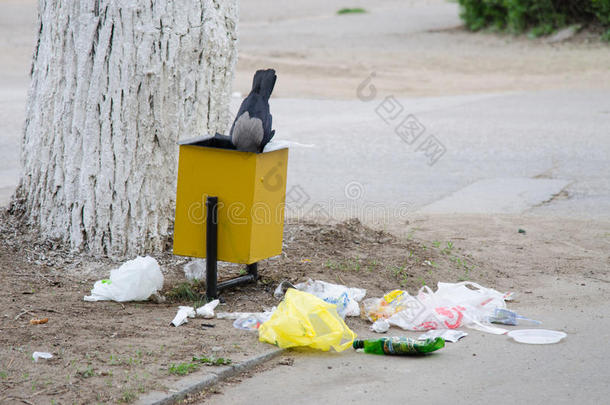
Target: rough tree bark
pixel 115 83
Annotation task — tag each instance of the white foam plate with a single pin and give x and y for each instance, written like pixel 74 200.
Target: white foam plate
pixel 536 336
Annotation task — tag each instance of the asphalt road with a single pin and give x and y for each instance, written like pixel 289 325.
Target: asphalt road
pixel 548 142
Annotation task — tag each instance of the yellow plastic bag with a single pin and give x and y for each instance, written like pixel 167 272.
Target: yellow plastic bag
pixel 392 295
pixel 302 319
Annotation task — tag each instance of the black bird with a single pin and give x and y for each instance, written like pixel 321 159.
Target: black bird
pixel 251 130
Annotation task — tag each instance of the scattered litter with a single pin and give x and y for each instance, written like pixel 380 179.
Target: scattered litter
pixel 536 336
pixel 287 362
pixel 448 335
pixel 39 321
pixel 41 355
pixel 195 270
pixel 20 314
pixel 399 345
pixel 453 305
pixel 302 319
pixel 182 315
pixel 207 311
pixel 135 280
pixel 247 320
pixel 249 323
pixel 383 308
pixel 380 326
pixel 508 317
pixel 345 298
pixel 208 325
pixel 281 289
pixel 521 231
pixel 234 315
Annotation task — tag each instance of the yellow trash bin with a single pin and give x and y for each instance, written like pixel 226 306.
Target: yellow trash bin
pixel 251 191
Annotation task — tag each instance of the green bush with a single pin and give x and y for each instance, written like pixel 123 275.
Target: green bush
pixel 540 17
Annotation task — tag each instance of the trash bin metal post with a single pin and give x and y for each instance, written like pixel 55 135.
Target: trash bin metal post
pixel 253 271
pixel 211 248
pixel 251 277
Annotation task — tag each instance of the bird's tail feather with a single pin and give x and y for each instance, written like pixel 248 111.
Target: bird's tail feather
pixel 264 81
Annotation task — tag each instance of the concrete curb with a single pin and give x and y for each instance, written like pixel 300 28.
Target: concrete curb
pixel 196 383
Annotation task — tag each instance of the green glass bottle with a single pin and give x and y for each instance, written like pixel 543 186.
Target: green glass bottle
pixel 399 345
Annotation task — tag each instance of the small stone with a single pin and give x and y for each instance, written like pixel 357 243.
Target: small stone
pixel 564 34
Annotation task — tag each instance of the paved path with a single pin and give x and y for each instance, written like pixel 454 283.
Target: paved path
pixel 559 138
pixel 479 369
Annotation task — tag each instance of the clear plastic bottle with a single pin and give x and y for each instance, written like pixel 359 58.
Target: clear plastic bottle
pixel 508 317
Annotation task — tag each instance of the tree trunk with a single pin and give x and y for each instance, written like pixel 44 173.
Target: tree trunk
pixel 115 83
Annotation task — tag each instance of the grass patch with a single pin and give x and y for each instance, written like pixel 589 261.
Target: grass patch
pixel 352 264
pixel 128 396
pixel 351 11
pixel 186 292
pixel 221 361
pixel 196 363
pixel 183 368
pixel 88 372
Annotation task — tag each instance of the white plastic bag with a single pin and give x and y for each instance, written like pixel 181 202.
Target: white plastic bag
pixel 184 312
pixel 380 326
pixel 195 270
pixel 449 335
pixel 207 311
pixel 135 280
pixel 345 298
pixel 453 305
pixel 41 355
pixel 182 315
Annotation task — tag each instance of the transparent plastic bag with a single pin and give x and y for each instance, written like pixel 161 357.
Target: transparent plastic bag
pixel 303 319
pixel 346 298
pixel 195 270
pixel 250 321
pixel 383 308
